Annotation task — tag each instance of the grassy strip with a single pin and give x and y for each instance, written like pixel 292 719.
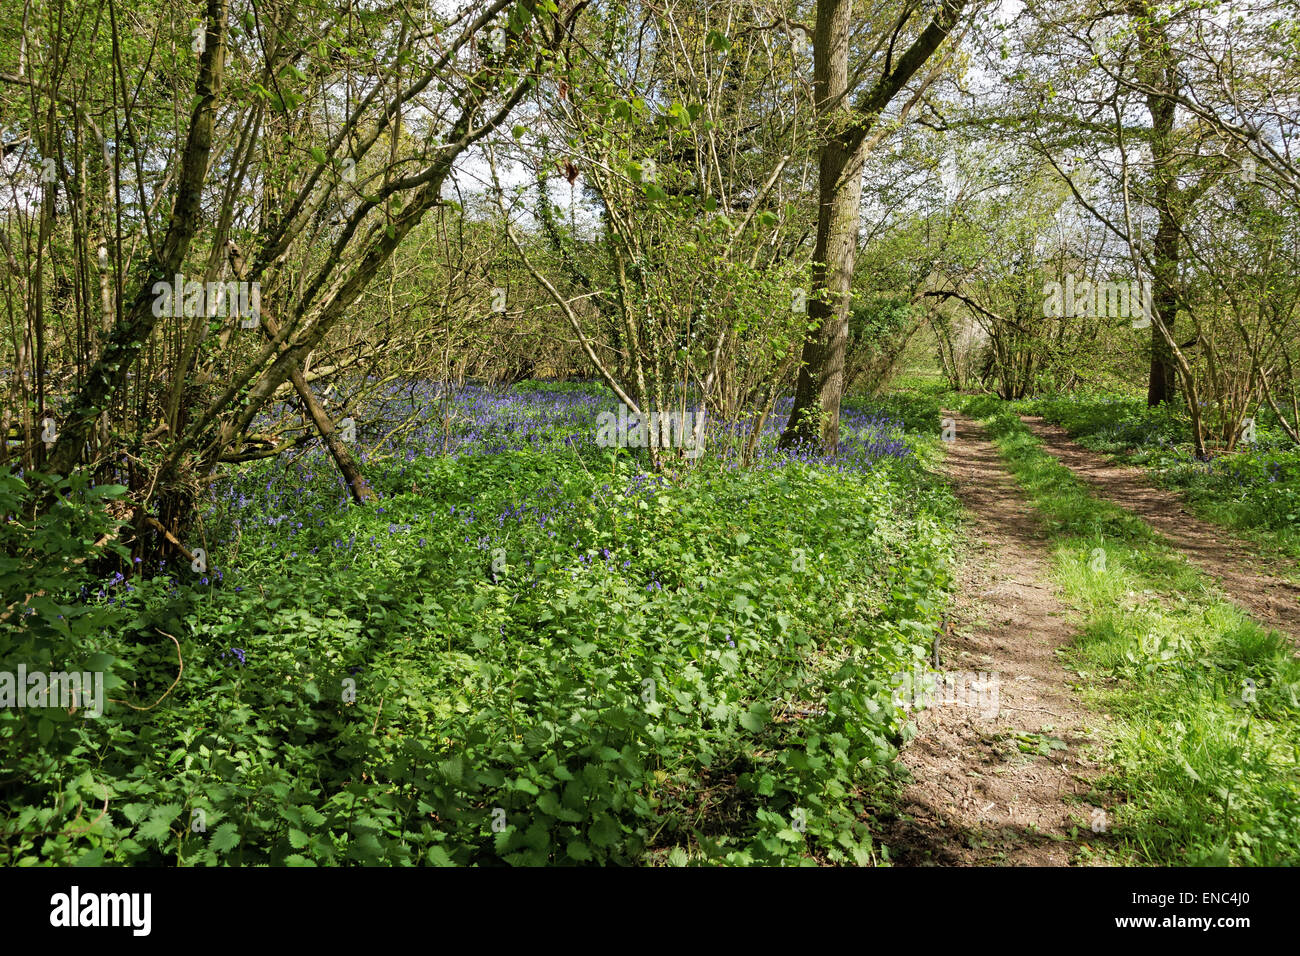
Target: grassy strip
pixel 1255 491
pixel 1206 745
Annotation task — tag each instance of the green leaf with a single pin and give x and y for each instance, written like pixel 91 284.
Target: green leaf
pixel 366 849
pixel 604 831
pixel 311 816
pixel 105 491
pixel 437 856
pixel 158 827
pixel 225 838
pixel 756 718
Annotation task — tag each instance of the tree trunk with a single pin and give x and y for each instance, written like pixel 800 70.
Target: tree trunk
pixel 1157 69
pixel 816 413
pixel 1162 386
pixel 361 491
pixel 360 488
pixel 129 336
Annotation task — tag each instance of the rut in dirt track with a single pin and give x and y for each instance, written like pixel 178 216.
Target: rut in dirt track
pixel 1245 577
pixel 976 796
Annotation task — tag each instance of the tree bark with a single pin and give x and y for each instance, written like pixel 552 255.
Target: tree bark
pixel 1162 385
pixel 1158 70
pixel 361 491
pixel 815 417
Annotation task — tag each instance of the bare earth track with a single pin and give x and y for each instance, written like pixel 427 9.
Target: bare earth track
pixel 982 792
pixel 1240 572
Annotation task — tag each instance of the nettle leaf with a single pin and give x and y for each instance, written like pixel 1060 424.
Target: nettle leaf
pixel 312 817
pixel 578 850
pixel 756 718
pixel 158 827
pixel 366 849
pixel 225 838
pixel 438 856
pixel 604 831
pixel 135 811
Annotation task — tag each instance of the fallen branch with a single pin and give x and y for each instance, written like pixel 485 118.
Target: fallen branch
pixel 158 525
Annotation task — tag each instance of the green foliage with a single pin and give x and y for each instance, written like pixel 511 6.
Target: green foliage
pixel 47 625
pixel 43 565
pixel 645 672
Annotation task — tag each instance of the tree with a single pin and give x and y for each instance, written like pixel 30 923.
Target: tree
pixel 846 126
pixel 318 139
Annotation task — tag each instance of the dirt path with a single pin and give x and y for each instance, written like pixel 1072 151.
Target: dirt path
pixel 982 792
pixel 1241 573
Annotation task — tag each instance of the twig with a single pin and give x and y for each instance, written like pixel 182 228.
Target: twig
pixel 71 832
pixel 169 689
